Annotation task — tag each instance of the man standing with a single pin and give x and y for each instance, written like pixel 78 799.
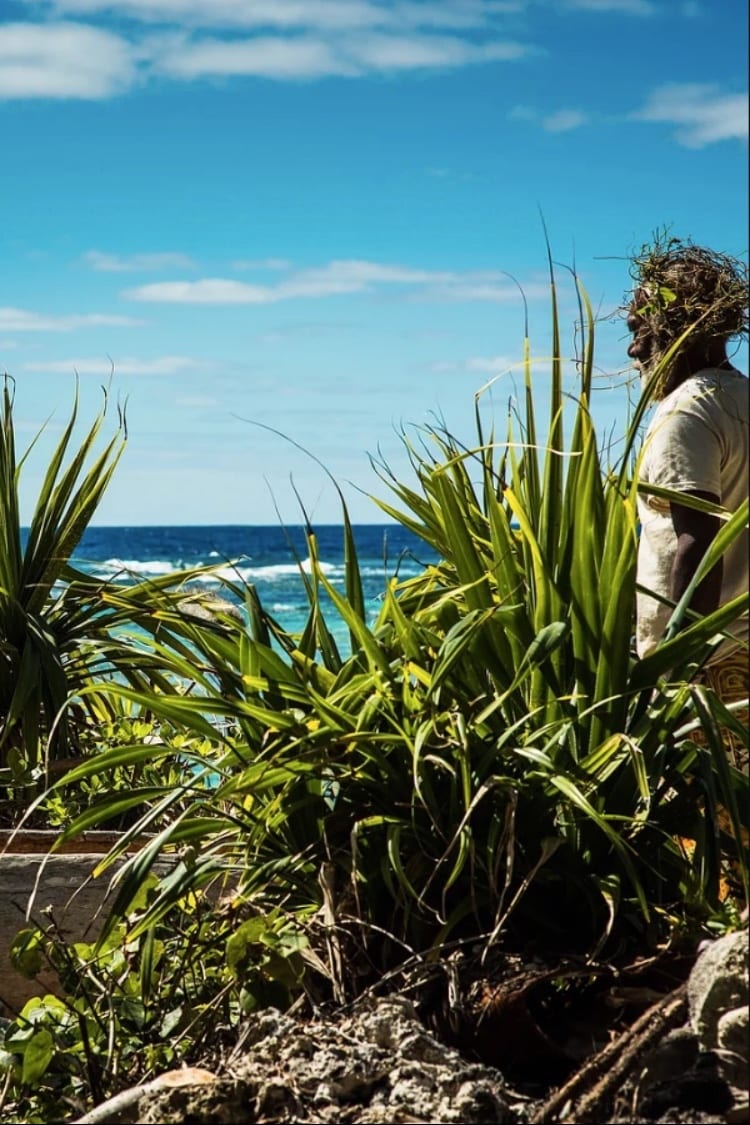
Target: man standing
pixel 688 303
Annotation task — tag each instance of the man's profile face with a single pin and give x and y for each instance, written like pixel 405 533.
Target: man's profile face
pixel 642 347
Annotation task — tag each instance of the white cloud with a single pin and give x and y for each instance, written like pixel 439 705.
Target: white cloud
pixel 284 40
pixel 398 52
pixel 483 364
pixel 629 7
pixel 104 366
pixel 208 291
pixel 503 291
pixel 23 320
pixel 306 57
pixel 115 263
pixel 285 15
pixel 491 364
pixel 563 120
pixel 63 60
pixel 260 57
pixel 703 114
pixel 357 273
pixel 335 278
pixel 231 13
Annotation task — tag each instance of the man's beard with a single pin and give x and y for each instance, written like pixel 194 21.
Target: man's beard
pixel 667 378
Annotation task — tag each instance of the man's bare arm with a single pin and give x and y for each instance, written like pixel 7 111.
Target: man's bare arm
pixel 695 532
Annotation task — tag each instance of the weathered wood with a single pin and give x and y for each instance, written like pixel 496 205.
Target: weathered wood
pixel 40 840
pixel 33 882
pixel 123 1107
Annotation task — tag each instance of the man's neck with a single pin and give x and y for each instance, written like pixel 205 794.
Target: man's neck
pixel 710 357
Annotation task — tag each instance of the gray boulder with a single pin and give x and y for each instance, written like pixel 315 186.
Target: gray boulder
pixel 718 997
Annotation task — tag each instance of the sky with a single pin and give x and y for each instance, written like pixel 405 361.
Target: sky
pixel 289 234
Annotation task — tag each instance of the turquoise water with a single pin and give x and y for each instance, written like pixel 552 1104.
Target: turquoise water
pixel 270 558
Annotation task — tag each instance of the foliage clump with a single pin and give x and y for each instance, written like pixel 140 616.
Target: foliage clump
pixel 690 287
pixel 492 769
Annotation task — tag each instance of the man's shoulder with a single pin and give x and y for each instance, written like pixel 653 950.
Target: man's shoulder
pixel 707 391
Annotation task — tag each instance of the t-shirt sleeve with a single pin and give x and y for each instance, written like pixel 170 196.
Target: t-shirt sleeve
pixel 684 453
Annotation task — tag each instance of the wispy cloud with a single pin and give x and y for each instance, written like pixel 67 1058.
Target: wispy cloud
pixel 186 40
pixel 302 57
pixel 323 15
pixel 275 57
pixel 145 263
pixel 105 365
pixel 629 7
pixel 563 120
pixel 63 60
pixel 25 320
pixel 479 364
pixel 337 278
pixel 702 113
pixel 560 121
pixel 491 364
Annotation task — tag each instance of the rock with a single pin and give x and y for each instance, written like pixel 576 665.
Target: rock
pixel 732 1033
pixel 377 1065
pixel 700 1071
pixel 718 997
pixel 210 607
pixel 121 1109
pixel 676 1054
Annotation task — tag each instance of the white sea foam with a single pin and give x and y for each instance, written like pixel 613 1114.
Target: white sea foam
pixel 286 570
pixel 276 572
pixel 271 573
pixel 219 573
pixel 136 566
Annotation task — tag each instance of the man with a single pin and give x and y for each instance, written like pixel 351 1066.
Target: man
pixel 687 305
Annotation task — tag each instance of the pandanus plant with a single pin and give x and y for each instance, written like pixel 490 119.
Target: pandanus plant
pixel 62 630
pixel 492 761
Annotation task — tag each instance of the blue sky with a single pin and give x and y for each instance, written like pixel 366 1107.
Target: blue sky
pixel 302 213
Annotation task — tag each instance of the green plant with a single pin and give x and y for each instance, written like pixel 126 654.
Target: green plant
pixel 62 631
pixel 132 1008
pixel 35 679
pixel 123 725
pixel 492 762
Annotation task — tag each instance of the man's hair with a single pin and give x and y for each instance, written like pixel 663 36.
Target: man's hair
pixel 684 286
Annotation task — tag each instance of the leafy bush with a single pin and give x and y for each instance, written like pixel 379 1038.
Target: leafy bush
pixel 131 1009
pixel 492 766
pixel 492 760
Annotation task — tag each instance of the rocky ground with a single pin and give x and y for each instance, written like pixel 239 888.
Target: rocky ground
pixel 683 1059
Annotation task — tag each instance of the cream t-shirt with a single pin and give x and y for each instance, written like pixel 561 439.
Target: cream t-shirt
pixel 697 441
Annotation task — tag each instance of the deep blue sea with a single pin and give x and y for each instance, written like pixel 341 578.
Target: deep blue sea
pixel 268 557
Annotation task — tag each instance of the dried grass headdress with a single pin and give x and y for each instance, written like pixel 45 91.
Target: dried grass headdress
pixel 688 285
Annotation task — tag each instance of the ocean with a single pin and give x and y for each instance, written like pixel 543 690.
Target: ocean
pixel 268 557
